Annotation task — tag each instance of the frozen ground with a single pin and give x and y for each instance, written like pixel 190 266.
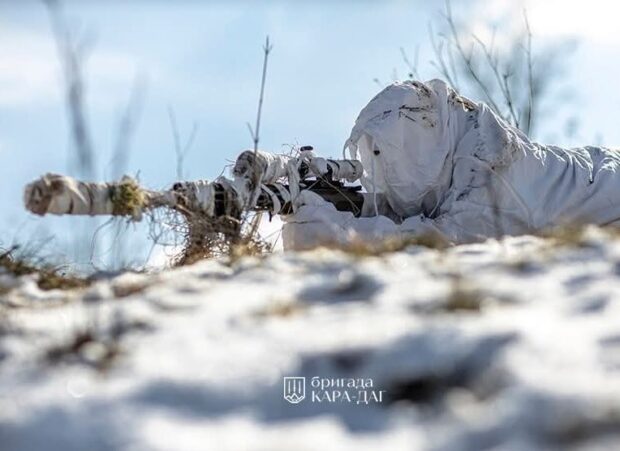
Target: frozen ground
pixel 502 345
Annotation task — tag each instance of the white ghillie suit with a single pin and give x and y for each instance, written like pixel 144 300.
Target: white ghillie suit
pixel 438 162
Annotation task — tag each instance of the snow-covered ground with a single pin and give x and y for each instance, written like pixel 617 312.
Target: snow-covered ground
pixel 501 345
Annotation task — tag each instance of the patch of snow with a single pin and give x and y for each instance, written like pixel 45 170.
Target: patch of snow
pixel 505 344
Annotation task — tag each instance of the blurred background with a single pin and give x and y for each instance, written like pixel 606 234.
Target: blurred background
pixel 166 88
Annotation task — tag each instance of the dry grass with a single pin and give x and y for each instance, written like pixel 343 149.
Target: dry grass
pixel 85 347
pixel 48 277
pixel 93 346
pixel 205 237
pixel 579 235
pixel 573 235
pixel 463 297
pixel 128 198
pixel 280 308
pixel 124 290
pixel 363 248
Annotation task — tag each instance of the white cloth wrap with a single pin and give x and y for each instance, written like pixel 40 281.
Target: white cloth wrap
pixel 59 195
pixel 202 195
pixel 448 165
pixel 350 170
pixel 275 199
pixel 271 167
pixel 276 168
pixel 240 186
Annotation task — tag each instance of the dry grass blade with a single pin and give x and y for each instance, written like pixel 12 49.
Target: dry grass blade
pixel 207 237
pixel 364 248
pixel 48 278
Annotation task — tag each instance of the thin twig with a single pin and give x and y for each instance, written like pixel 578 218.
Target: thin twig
pixel 255 132
pixel 181 151
pixel 126 128
pixel 467 59
pixel 440 64
pixel 72 53
pixel 413 68
pixel 501 79
pixel 530 77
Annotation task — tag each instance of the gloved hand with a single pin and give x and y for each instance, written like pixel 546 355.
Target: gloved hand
pixel 317 222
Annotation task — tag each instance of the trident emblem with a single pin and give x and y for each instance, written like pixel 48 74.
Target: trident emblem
pixel 294 389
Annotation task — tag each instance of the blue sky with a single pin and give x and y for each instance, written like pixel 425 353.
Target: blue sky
pixel 204 60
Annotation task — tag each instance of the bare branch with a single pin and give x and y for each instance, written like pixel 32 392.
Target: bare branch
pixel 440 63
pixel 501 79
pixel 255 132
pixel 72 53
pixel 467 59
pixel 413 68
pixel 126 128
pixel 530 77
pixel 181 151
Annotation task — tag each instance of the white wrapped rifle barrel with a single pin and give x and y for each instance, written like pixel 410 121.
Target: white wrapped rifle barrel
pixel 258 184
